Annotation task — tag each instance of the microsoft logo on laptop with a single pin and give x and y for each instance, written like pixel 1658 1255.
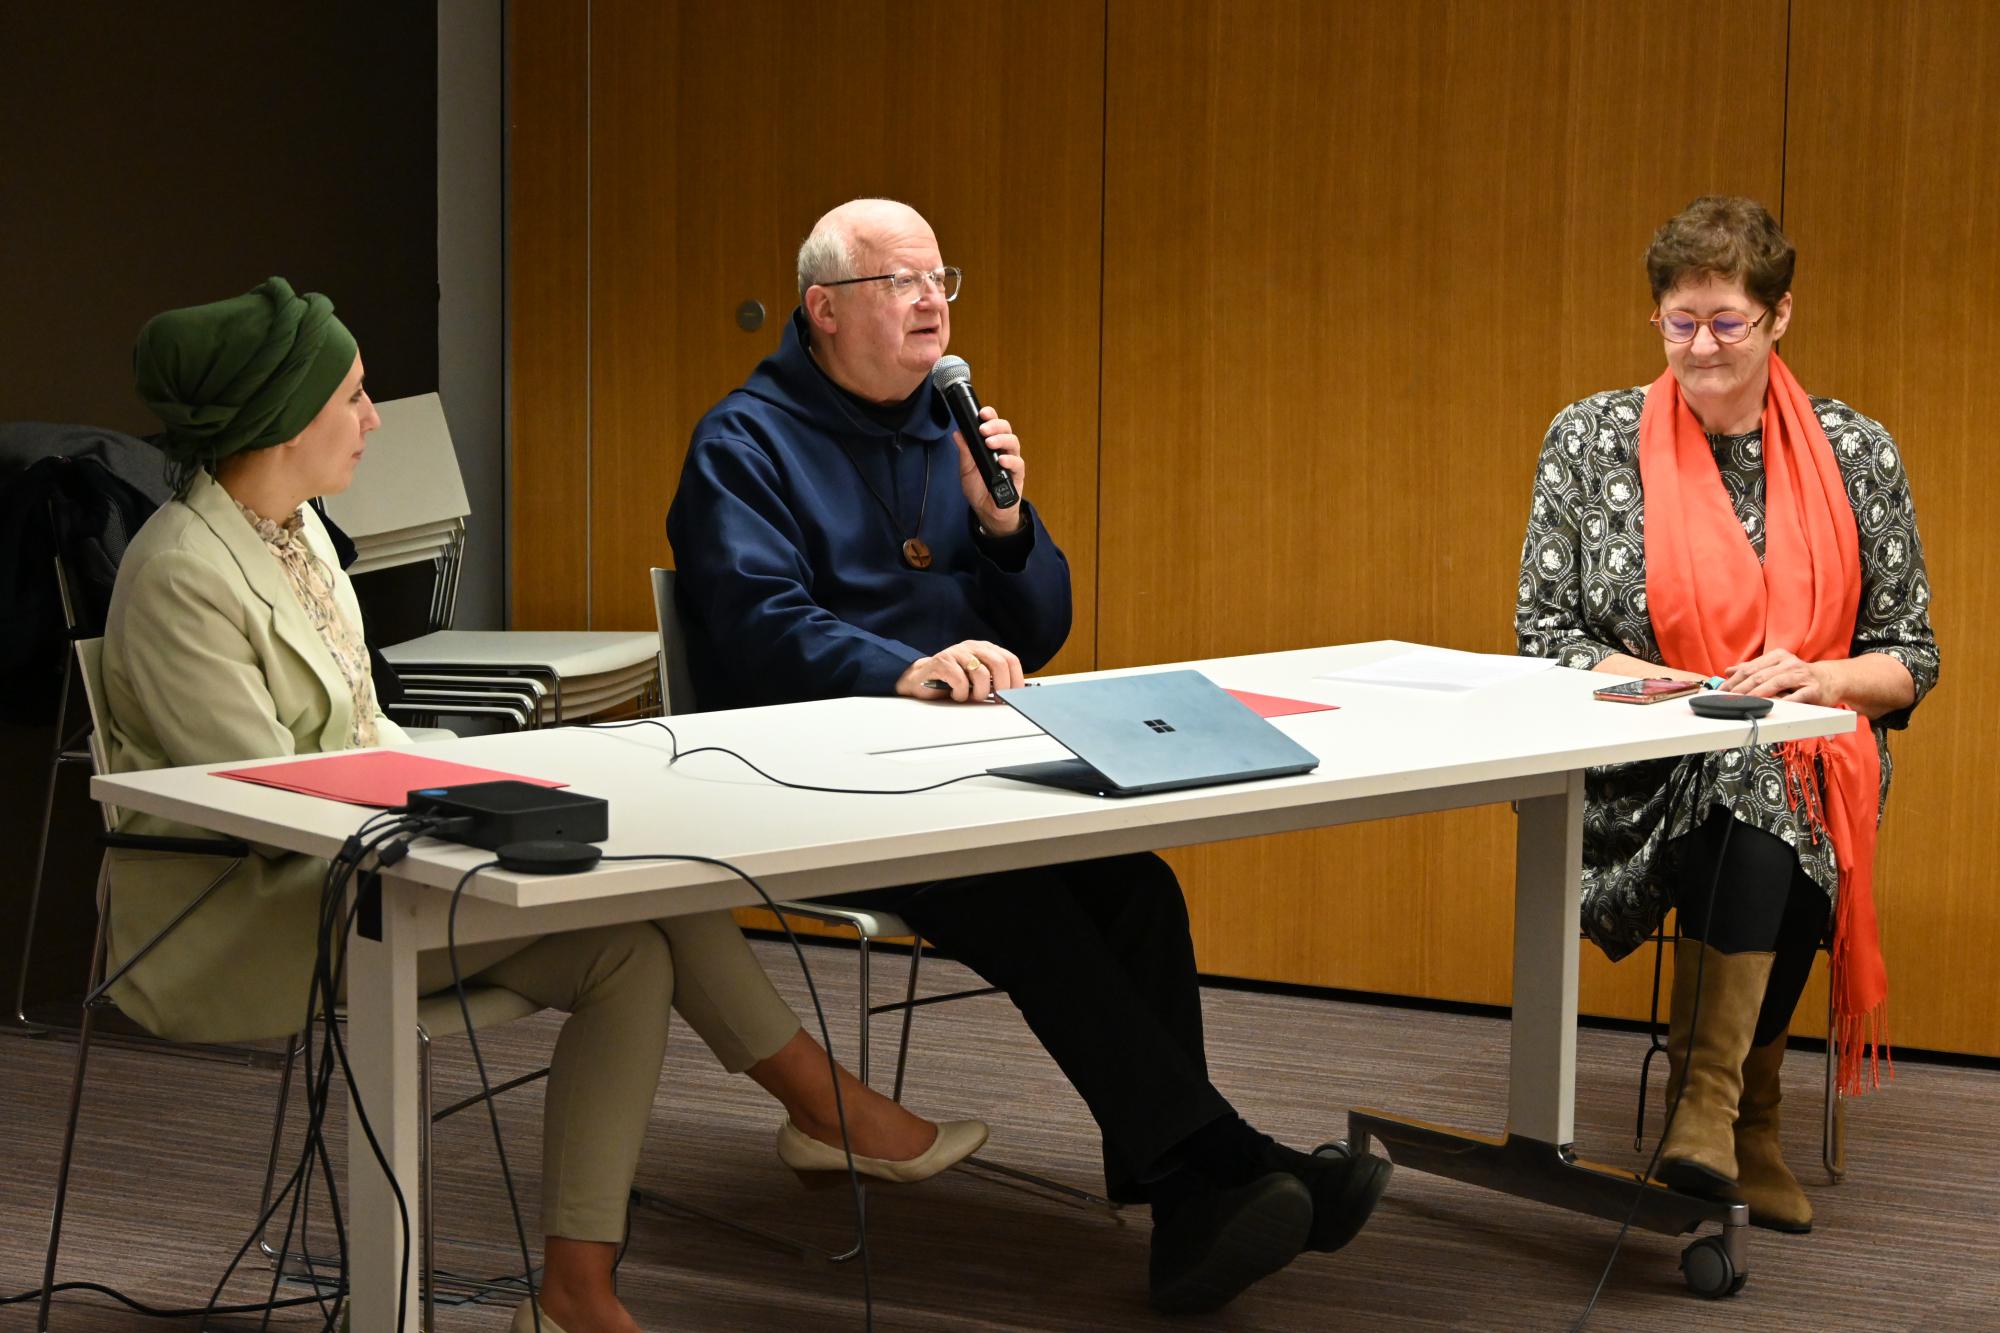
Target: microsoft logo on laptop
pixel 1158 725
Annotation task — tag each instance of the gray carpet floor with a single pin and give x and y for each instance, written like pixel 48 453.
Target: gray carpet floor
pixel 171 1155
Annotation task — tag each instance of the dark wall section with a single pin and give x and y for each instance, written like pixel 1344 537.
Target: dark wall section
pixel 155 155
pixel 158 155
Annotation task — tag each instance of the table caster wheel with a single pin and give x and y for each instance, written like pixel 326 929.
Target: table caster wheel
pixel 1709 1271
pixel 1338 1148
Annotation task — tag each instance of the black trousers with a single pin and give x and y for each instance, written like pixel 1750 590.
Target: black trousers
pixel 1097 957
pixel 1762 903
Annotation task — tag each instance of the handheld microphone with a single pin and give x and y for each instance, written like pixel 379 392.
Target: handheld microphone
pixel 952 378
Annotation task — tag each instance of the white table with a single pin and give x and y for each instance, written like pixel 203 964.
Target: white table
pixel 1384 753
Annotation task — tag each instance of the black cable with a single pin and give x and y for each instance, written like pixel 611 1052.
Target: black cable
pixel 1694 1019
pixel 826 1043
pixel 339 870
pixel 360 1114
pixel 154 1312
pixel 323 987
pixel 826 1040
pixel 486 1086
pixel 677 754
pixel 324 990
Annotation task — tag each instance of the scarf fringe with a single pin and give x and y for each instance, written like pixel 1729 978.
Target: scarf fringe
pixel 1802 761
pixel 1864 1041
pixel 1862 1033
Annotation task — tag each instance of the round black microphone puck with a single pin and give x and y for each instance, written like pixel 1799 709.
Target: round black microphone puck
pixel 1730 707
pixel 548 856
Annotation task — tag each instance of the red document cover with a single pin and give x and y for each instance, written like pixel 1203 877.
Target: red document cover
pixel 1270 705
pixel 381 778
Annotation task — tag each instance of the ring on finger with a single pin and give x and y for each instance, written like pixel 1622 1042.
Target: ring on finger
pixel 973 664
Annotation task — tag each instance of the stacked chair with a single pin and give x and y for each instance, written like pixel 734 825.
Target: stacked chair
pixel 408 506
pixel 531 678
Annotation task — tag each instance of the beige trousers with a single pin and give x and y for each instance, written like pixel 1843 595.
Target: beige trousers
pixel 616 983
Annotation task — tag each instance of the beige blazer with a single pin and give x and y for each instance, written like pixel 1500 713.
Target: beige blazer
pixel 209 657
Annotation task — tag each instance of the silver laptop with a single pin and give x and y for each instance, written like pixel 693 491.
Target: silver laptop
pixel 1157 732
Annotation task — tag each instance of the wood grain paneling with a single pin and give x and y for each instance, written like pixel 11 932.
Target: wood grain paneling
pixel 1893 200
pixel 1356 256
pixel 1353 256
pixel 720 133
pixel 548 261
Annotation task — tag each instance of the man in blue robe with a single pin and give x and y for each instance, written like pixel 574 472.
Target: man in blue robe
pixel 833 537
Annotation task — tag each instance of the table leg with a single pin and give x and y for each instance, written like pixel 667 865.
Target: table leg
pixel 1535 1157
pixel 382 1050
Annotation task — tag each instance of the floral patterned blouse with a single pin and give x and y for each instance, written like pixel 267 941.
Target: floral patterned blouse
pixel 1582 598
pixel 312 582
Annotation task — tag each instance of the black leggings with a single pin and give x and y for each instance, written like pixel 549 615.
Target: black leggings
pixel 1764 903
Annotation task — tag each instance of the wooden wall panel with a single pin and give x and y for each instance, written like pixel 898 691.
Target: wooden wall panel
pixel 1894 202
pixel 721 133
pixel 1356 256
pixel 548 76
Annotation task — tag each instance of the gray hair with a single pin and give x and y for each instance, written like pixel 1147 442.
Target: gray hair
pixel 823 257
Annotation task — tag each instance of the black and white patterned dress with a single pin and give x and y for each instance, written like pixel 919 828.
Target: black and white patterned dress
pixel 1582 598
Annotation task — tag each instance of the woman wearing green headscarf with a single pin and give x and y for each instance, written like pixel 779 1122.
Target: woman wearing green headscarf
pixel 233 634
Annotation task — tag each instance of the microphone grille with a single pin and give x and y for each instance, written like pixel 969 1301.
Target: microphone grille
pixel 950 370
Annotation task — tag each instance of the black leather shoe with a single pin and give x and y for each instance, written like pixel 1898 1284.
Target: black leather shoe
pixel 1212 1243
pixel 1344 1189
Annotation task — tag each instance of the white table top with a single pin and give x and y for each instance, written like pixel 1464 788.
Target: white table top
pixel 1381 742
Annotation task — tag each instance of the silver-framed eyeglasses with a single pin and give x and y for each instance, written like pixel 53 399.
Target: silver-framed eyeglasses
pixel 1726 326
pixel 905 284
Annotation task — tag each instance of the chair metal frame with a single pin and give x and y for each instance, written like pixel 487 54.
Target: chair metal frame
pixel 870 928
pixel 468 1290
pixel 502 1006
pixel 1833 1112
pixel 71 746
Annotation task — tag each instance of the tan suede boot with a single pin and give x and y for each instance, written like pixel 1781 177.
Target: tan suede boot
pixel 1699 1154
pixel 1763 1181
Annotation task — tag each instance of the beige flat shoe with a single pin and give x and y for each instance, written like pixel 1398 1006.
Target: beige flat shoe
pixel 956 1141
pixel 524 1321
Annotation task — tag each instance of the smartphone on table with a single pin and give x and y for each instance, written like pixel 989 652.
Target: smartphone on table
pixel 1651 690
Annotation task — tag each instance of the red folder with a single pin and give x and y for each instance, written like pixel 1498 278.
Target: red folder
pixel 383 778
pixel 1270 705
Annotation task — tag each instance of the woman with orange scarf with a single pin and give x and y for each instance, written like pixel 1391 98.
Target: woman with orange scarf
pixel 1720 524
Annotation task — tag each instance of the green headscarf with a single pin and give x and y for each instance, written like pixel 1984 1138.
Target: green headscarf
pixel 239 374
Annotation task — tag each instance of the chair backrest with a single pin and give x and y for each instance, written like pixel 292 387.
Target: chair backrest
pixel 676 685
pixel 412 478
pixel 408 505
pixel 90 666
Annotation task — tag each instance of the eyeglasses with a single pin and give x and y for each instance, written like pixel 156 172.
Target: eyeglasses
pixel 904 283
pixel 1727 326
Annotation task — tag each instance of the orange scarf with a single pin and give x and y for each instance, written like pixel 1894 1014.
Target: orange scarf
pixel 1712 606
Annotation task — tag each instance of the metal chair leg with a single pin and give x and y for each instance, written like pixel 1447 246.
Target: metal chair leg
pixel 1653 1044
pixel 909 1013
pixel 867 998
pixel 1833 1123
pixel 277 1145
pixel 60 755
pixel 426 1217
pixel 85 1027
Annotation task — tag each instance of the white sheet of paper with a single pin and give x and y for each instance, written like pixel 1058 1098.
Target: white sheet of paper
pixel 1443 669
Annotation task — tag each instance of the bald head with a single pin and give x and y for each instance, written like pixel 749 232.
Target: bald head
pixel 873 341
pixel 849 235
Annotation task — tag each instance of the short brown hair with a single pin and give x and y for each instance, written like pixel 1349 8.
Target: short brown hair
pixel 1722 236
